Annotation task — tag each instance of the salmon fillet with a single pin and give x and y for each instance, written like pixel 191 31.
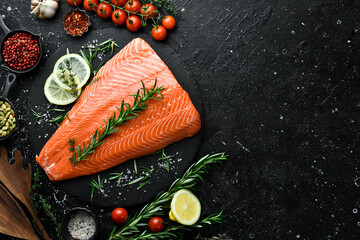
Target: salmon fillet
pixel 164 122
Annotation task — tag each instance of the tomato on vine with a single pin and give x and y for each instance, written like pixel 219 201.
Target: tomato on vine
pixel 104 10
pixel 91 5
pixel 133 6
pixel 119 17
pixel 133 23
pixel 74 3
pixel 118 3
pixel 168 22
pixel 148 11
pixel 158 33
pixel 156 224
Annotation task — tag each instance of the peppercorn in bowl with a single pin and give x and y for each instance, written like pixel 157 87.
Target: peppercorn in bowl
pixel 21 51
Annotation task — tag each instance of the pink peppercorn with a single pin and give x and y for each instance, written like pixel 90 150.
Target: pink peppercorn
pixel 21 51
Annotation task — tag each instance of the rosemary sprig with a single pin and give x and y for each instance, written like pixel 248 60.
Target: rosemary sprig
pixel 126 112
pixel 192 176
pixel 103 47
pixel 117 176
pixel 97 184
pixel 166 160
pixel 59 119
pixel 37 116
pixel 145 174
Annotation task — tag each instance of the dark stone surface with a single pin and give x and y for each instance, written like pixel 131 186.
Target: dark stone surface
pixel 280 86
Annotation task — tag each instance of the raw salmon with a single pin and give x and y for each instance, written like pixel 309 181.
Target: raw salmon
pixel 164 122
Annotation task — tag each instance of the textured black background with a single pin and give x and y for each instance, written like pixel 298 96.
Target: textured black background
pixel 280 84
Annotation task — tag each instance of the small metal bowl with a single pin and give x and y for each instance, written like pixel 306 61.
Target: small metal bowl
pixel 9 82
pixel 77 11
pixel 8 34
pixel 64 224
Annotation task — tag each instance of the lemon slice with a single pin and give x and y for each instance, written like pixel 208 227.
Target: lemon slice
pixel 57 95
pixel 71 71
pixel 185 207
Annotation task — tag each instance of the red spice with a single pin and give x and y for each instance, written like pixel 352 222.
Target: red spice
pixel 21 51
pixel 76 22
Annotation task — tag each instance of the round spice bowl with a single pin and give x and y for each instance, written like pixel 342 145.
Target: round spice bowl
pixel 8 120
pixel 79 224
pixel 76 22
pixel 12 35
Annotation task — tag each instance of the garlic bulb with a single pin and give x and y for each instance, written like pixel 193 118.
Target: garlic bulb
pixel 44 8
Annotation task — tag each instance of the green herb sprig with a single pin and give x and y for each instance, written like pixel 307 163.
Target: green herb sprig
pixel 97 184
pixel 195 174
pixel 117 176
pixel 126 112
pixel 37 116
pixel 38 201
pixel 103 47
pixel 165 159
pixel 145 174
pixel 59 119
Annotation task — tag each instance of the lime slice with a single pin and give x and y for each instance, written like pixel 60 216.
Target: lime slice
pixel 71 71
pixel 185 207
pixel 57 95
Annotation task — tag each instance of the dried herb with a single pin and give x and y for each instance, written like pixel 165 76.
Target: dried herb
pixel 126 112
pixel 76 22
pixel 195 174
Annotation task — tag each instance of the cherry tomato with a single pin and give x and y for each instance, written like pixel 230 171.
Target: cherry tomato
pixel 169 22
pixel 133 23
pixel 119 215
pixel 156 224
pixel 118 3
pixel 74 3
pixel 91 5
pixel 104 10
pixel 119 17
pixel 158 33
pixel 133 6
pixel 148 11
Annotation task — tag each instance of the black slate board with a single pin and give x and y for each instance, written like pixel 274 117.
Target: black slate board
pixel 183 151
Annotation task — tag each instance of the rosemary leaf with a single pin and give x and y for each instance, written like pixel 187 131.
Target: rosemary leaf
pixel 117 176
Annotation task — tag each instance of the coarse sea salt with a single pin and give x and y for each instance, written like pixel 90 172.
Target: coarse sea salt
pixel 81 225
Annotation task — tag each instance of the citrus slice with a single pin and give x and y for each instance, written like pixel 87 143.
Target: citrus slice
pixel 57 95
pixel 185 207
pixel 71 71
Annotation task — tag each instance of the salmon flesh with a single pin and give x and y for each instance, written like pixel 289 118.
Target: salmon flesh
pixel 165 121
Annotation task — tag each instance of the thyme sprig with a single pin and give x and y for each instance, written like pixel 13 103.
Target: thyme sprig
pixel 103 47
pixel 126 112
pixel 38 201
pixel 194 175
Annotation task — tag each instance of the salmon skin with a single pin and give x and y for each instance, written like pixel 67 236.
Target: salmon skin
pixel 164 122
